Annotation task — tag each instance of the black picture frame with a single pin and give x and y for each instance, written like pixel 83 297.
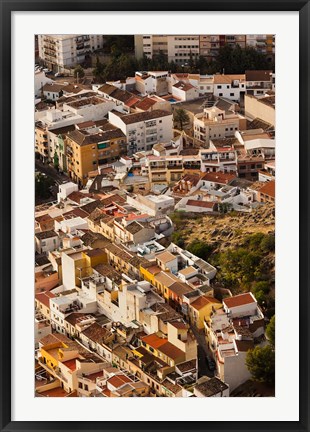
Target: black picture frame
pixel 7 7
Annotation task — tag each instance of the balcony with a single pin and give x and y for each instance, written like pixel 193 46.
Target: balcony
pixel 175 167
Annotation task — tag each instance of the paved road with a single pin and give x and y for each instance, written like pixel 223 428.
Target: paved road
pixel 202 351
pixel 50 171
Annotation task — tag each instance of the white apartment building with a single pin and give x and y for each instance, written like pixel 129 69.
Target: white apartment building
pixel 153 205
pixel 144 129
pixel 63 51
pixel 178 48
pixel 215 123
pixel 90 108
pixel 229 86
pixel 55 118
pixel 152 82
pixel 216 159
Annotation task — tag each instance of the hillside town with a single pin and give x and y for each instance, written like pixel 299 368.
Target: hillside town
pixel 125 306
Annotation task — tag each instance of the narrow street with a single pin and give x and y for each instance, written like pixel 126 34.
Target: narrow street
pixel 50 171
pixel 202 351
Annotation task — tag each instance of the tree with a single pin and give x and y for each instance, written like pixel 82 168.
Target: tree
pixel 99 69
pixel 56 161
pixel 42 185
pixel 261 363
pixel 78 72
pixel 271 331
pixel 225 207
pixel 180 116
pixel 200 248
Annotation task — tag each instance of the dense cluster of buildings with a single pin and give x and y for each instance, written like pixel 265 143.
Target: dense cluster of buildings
pixel 60 52
pixel 120 311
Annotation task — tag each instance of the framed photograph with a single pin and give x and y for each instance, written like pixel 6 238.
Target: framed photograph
pixel 148 249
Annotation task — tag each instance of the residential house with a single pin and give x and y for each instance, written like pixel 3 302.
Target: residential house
pixel 211 387
pixel 144 129
pixel 46 241
pixel 200 310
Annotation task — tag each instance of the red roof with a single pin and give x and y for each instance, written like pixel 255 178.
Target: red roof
pixel 154 341
pixel 239 300
pixel 44 298
pixel 197 203
pixel 202 302
pixel 269 189
pixel 119 380
pixel 70 364
pixel 219 177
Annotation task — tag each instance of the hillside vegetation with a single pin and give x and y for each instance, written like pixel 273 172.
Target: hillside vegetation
pixel 240 245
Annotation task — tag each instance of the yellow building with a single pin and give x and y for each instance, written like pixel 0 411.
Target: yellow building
pixel 200 310
pixel 149 271
pixel 86 150
pixel 41 141
pixel 163 281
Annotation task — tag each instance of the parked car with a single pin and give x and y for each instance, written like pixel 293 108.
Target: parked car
pixel 211 364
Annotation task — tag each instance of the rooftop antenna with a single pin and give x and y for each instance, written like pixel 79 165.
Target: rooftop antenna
pixel 223 71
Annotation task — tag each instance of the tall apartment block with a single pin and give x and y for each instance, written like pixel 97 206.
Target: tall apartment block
pixel 179 48
pixel 64 51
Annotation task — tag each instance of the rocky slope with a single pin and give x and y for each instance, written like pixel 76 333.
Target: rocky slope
pixel 229 229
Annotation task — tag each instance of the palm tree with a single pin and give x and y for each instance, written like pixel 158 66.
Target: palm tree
pixel 180 116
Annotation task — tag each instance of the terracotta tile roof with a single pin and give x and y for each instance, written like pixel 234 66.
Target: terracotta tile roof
pixel 133 101
pixel 52 88
pixel 174 388
pixel 53 338
pixel 46 234
pixel 258 75
pixel 77 212
pixel 179 325
pixel 43 218
pixel 76 317
pixel 219 177
pixel 96 333
pixel 153 269
pixel 146 104
pixel 134 227
pixel 211 387
pixel 45 297
pixel 166 279
pixel 153 340
pixel 227 79
pixel 180 288
pixel 165 257
pixel 171 351
pixel 183 86
pixel 119 380
pixel 239 300
pixel 84 138
pixel 187 366
pixel 269 189
pixel 70 364
pixel 197 203
pixel 202 301
pixel 144 116
pixel 78 196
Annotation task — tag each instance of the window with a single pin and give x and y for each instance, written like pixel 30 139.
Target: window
pixel 219 86
pixel 102 146
pixel 86 387
pixel 220 94
pixel 80 385
pixel 232 94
